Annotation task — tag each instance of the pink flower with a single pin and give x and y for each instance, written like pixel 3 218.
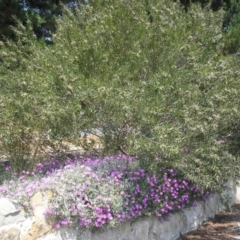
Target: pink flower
pixel 48 211
pixel 57 225
pixel 64 222
pixel 25 204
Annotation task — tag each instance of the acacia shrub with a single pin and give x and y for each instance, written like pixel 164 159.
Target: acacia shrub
pixel 156 87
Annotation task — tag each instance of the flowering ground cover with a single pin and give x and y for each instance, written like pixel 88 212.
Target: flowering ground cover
pixel 96 192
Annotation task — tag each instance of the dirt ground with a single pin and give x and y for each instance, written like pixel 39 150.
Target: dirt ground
pixel 224 226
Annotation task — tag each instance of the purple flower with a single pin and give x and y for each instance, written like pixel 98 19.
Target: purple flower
pixel 195 203
pixel 48 211
pixel 57 225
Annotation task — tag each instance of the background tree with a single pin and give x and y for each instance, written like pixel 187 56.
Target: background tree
pixel 232 27
pixel 231 20
pixel 9 9
pixel 41 13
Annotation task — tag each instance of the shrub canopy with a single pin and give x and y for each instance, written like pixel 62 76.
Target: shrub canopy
pixel 149 76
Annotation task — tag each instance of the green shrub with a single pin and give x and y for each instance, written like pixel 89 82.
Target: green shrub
pixel 231 27
pixel 156 87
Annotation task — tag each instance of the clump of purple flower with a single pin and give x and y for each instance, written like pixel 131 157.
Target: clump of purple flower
pixel 93 192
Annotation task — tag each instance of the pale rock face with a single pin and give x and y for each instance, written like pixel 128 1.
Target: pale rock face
pixel 107 234
pixel 10 232
pixel 10 212
pixel 155 230
pixel 69 234
pixel 141 229
pixel 51 236
pixel 85 234
pixel 124 231
pixel 38 226
pixel 39 202
pixel 26 226
pixel 192 217
pixel 8 206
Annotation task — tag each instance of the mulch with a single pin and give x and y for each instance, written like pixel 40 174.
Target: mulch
pixel 224 226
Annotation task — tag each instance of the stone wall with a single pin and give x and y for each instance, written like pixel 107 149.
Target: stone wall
pixel 14 225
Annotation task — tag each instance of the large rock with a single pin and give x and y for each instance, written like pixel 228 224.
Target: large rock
pixel 51 236
pixel 69 234
pixel 37 226
pixel 10 212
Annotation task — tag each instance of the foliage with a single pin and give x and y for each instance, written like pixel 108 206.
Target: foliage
pixel 8 9
pixel 41 13
pixel 230 23
pixel 213 4
pixel 153 83
pixel 232 29
pixel 87 195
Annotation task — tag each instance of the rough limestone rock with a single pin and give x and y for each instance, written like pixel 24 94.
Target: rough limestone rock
pixel 26 225
pixel 10 212
pixel 69 233
pixel 51 236
pixel 10 232
pixel 38 226
pixel 108 234
pixel 64 233
pixel 139 230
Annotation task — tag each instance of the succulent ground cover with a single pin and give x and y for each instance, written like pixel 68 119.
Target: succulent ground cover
pixel 96 192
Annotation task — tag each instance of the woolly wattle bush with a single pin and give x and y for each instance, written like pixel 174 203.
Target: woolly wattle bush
pixel 93 192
